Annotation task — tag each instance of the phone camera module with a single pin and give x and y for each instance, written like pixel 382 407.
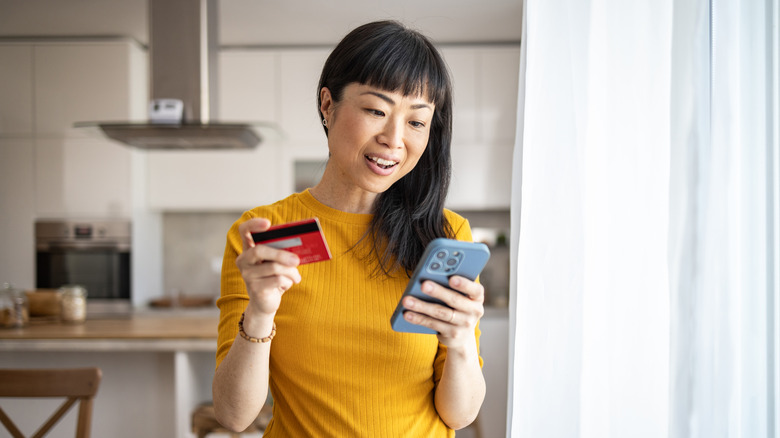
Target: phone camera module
pixel 445 261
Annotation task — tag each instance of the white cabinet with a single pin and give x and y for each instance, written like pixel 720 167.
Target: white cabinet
pixel 485 81
pixel 17 208
pixel 248 88
pixel 48 86
pixel 277 86
pixel 86 81
pixel 82 177
pixel 214 180
pixel 498 81
pixel 16 95
pixel 79 173
pixel 462 62
pixel 300 74
pixel 481 177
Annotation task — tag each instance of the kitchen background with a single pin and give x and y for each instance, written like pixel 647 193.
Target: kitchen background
pixel 87 60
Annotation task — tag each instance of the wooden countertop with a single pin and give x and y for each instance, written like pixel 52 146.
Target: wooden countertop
pixel 134 332
pixel 142 331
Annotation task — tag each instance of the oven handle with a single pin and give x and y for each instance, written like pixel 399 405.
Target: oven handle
pixel 84 246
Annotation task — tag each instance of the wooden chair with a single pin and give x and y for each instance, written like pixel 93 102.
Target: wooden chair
pixel 75 384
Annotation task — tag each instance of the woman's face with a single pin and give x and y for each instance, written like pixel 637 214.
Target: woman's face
pixel 375 137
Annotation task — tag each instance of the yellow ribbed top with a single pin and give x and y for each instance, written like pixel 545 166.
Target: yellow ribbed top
pixel 337 369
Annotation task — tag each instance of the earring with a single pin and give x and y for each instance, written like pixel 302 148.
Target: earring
pixel 324 122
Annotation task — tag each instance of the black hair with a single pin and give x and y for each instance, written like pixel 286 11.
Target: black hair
pixel 392 57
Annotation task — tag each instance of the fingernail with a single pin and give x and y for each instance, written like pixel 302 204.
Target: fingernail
pixel 455 281
pixel 409 303
pixel 427 287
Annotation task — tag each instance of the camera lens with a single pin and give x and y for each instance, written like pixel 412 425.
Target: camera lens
pixel 441 254
pixel 435 266
pixel 452 262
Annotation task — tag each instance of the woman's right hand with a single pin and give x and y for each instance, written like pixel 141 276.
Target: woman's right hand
pixel 268 272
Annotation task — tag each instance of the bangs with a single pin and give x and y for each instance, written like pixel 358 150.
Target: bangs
pixel 402 63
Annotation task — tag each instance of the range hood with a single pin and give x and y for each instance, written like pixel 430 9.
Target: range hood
pixel 182 44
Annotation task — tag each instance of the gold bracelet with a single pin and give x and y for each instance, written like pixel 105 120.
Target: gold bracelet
pixel 251 339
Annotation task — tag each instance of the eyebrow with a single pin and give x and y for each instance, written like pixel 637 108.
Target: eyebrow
pixel 387 99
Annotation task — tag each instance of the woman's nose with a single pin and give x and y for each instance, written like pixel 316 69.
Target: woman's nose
pixel 393 134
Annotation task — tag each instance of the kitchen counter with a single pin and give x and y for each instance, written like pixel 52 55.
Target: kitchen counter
pixel 170 331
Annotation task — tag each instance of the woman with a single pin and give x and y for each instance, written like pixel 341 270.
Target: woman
pixel 334 366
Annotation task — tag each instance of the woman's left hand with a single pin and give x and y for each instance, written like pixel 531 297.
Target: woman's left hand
pixel 456 323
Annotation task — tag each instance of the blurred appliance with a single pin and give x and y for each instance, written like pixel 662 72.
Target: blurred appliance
pixel 94 254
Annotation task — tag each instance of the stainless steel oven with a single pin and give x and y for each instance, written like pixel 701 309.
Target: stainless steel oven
pixel 94 254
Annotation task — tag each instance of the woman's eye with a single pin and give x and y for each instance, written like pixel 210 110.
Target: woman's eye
pixel 417 124
pixel 376 112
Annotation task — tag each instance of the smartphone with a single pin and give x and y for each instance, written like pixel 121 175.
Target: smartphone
pixel 442 259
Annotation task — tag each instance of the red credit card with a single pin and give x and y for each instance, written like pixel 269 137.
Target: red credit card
pixel 303 238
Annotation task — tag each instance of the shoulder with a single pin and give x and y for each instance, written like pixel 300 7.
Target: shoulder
pixel 460 226
pixel 278 212
pixel 454 218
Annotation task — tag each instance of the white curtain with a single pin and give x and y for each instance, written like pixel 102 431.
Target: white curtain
pixel 720 249
pixel 644 221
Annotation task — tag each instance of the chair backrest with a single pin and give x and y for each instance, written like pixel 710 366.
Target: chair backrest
pixel 74 384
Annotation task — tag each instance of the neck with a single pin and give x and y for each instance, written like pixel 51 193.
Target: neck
pixel 352 200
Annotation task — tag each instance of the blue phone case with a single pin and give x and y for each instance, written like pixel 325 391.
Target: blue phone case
pixel 442 259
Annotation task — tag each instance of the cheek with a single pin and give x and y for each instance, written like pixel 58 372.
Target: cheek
pixel 414 155
pixel 418 147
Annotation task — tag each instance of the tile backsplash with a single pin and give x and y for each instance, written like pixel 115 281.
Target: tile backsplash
pixel 192 253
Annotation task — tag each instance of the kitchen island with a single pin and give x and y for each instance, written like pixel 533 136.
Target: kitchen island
pixel 157 367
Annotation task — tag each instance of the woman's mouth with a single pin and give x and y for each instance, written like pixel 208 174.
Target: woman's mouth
pixel 381 162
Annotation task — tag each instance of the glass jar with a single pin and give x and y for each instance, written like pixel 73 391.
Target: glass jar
pixel 73 304
pixel 14 307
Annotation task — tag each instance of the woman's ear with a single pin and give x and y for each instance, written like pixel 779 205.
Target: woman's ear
pixel 326 102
